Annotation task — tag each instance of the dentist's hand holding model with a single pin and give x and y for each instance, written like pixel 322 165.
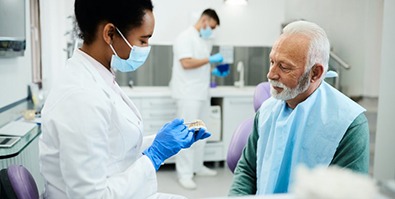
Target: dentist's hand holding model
pixel 173 137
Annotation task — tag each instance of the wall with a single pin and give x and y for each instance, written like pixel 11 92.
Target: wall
pixel 354 30
pixel 16 73
pixel 54 25
pixel 384 162
pixel 256 24
pixel 260 18
pixel 373 42
pixel 156 70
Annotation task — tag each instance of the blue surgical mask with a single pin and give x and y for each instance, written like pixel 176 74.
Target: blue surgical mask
pixel 137 57
pixel 205 33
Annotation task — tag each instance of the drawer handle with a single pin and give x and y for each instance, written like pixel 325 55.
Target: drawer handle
pixel 162 104
pixel 240 102
pixel 162 114
pixel 209 152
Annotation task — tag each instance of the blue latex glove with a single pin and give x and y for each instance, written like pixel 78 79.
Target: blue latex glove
pixel 221 70
pixel 216 58
pixel 171 138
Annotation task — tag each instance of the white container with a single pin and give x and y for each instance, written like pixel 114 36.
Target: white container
pixel 214 124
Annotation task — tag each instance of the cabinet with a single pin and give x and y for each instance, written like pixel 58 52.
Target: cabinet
pixel 157 107
pixel 235 110
pixel 156 111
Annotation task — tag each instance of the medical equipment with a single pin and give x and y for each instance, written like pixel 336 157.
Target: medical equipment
pixel 13 28
pixel 8 141
pixel 17 128
pixel 228 53
pixel 197 125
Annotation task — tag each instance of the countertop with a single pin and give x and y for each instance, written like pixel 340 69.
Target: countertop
pixel 164 91
pixel 9 152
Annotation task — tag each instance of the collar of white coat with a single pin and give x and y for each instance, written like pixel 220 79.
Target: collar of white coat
pixel 87 61
pixel 105 78
pixel 193 29
pixel 108 76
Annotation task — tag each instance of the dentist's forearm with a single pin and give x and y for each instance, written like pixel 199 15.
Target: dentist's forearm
pixel 191 63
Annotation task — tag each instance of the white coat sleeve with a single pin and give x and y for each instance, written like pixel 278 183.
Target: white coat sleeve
pixel 183 47
pixel 82 121
pixel 147 142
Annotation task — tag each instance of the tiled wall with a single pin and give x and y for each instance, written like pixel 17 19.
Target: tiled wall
pixel 157 69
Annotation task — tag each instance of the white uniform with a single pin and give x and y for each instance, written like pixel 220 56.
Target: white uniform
pixel 190 87
pixel 192 83
pixel 92 136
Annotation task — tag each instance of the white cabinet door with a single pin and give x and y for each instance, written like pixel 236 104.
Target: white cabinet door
pixel 137 103
pixel 159 103
pixel 235 110
pixel 156 111
pixel 213 151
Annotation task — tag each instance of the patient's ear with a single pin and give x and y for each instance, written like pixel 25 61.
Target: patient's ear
pixel 316 72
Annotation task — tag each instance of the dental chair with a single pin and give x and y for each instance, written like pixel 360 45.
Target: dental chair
pixel 242 132
pixel 17 183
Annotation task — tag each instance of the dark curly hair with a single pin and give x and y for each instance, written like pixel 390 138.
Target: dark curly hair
pixel 124 14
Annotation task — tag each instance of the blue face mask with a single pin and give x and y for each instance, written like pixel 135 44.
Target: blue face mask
pixel 205 33
pixel 137 57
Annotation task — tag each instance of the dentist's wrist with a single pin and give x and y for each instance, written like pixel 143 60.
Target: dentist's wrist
pixel 156 161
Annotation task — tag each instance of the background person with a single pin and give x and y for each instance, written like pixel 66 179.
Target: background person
pixel 306 121
pixel 92 135
pixel 190 83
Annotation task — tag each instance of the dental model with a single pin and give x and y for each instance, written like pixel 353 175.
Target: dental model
pixel 197 124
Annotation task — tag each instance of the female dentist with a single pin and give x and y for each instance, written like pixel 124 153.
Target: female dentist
pixel 92 133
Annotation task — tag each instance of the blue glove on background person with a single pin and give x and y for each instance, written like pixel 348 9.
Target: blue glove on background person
pixel 216 58
pixel 221 70
pixel 171 138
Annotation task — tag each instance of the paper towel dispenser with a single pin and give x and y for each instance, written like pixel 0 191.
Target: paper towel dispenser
pixel 12 28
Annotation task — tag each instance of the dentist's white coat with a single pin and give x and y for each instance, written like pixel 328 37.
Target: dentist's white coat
pixel 91 139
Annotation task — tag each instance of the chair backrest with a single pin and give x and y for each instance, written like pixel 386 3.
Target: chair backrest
pixel 242 132
pixel 262 93
pixel 17 182
pixel 237 143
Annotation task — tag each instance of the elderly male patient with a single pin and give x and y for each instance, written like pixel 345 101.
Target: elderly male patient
pixel 305 122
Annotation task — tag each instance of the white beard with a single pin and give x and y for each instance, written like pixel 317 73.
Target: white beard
pixel 290 93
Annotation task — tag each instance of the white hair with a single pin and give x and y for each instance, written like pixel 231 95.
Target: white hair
pixel 319 44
